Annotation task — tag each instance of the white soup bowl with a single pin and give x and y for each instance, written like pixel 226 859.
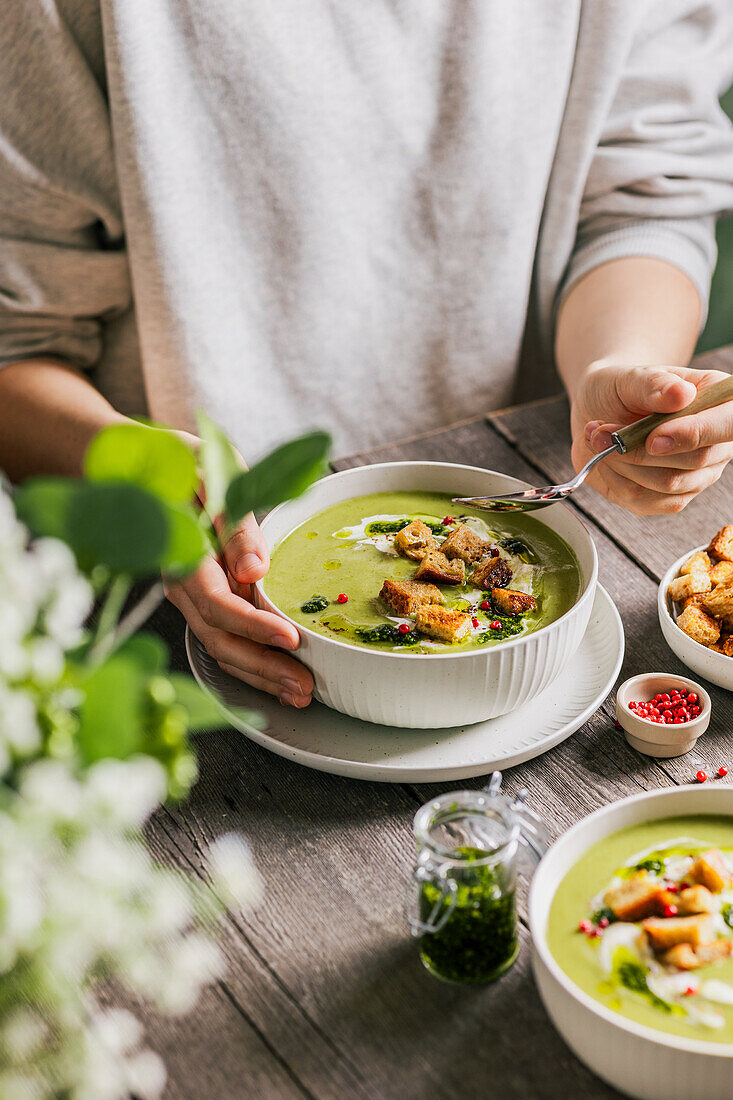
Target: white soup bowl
pixel 637 1060
pixel 435 690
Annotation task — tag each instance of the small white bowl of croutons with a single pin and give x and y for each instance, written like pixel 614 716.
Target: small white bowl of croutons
pixel 695 607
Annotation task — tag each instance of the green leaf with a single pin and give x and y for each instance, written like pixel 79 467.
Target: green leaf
pixel 187 543
pixel 148 651
pixel 116 525
pixel 204 712
pixel 220 463
pixel 112 714
pixel 153 458
pixel 44 505
pixel 282 475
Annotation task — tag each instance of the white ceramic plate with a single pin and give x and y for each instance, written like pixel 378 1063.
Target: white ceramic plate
pixel 329 741
pixel 715 667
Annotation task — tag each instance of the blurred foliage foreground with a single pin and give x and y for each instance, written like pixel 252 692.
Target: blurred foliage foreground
pixel 94 736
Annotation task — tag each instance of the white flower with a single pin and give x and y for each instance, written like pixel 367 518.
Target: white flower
pixel 50 789
pixel 19 727
pixel 129 790
pixel 22 1034
pixel 118 1029
pixel 193 962
pixel 46 660
pixel 233 873
pixel 146 1075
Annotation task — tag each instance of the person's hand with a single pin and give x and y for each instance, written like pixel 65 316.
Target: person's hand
pixel 246 642
pixel 679 459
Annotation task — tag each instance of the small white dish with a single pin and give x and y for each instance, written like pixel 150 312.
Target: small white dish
pixel 638 1060
pixel 653 738
pixel 715 667
pixel 328 741
pixel 434 690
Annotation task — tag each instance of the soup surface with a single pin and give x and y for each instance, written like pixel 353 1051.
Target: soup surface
pixel 328 573
pixel 643 923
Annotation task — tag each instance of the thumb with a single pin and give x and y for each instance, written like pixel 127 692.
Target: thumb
pixel 653 390
pixel 245 552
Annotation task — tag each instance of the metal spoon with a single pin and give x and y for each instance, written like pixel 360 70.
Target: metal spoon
pixel 624 440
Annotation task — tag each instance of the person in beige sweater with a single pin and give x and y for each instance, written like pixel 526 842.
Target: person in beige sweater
pixel 273 211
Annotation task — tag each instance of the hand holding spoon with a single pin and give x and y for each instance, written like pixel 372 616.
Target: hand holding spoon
pixel 624 440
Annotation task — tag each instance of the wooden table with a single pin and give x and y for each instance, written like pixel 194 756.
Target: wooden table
pixel 325 997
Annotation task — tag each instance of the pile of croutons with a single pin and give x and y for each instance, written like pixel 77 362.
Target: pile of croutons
pixel 679 927
pixel 704 588
pixel 462 555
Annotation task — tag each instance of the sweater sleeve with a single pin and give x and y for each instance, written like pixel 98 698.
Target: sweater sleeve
pixel 63 267
pixel 663 168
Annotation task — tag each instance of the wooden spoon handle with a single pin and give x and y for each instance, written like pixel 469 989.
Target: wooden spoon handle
pixel 633 435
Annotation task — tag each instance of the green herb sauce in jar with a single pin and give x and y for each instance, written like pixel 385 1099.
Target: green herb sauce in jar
pixel 478 942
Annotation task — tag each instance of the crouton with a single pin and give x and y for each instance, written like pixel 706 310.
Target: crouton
pixel 710 870
pixel 727 646
pixel 508 602
pixel 698 562
pixel 694 899
pixel 686 957
pixel 689 585
pixel 636 898
pixel 405 597
pixel 722 545
pixel 464 543
pixel 415 540
pixel 444 625
pixel 665 932
pixel 710 952
pixel 435 567
pixel 683 956
pixel 492 573
pixel 719 602
pixel 698 625
pixel 721 573
pixel 694 601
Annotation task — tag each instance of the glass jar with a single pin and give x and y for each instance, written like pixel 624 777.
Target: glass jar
pixel 463 891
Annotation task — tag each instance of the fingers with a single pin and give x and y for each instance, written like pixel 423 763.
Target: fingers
pixel 245 552
pixel 680 458
pixel 636 498
pixel 692 460
pixel 288 699
pixel 622 395
pixel 264 668
pixel 670 481
pixel 654 390
pixel 690 433
pixel 219 608
pixel 646 490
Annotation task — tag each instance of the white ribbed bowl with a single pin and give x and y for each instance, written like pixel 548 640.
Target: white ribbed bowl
pixel 438 689
pixel 641 1062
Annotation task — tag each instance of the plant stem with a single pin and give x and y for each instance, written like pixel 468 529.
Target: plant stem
pixel 117 593
pixel 105 646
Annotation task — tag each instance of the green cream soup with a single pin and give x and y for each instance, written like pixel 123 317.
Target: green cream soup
pixel 348 550
pixel 615 962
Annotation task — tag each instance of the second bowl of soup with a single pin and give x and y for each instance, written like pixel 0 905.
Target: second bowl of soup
pixel 415 612
pixel 631 913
